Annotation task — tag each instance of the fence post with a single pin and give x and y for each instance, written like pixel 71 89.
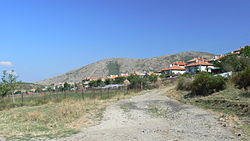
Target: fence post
pixel 101 93
pixel 82 95
pixel 22 99
pixel 44 98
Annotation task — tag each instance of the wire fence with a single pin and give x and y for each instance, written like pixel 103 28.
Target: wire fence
pixel 37 99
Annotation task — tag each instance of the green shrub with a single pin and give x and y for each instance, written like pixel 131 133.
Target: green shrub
pixel 242 79
pixel 184 83
pixel 152 78
pixel 205 84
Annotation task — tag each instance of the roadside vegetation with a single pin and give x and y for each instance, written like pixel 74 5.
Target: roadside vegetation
pixel 57 118
pixel 228 96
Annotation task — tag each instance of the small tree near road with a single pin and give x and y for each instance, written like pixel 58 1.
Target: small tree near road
pixel 9 81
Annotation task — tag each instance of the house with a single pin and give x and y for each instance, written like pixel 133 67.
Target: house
pixel 199 66
pixel 124 75
pixel 236 52
pixel 173 70
pixel 88 79
pixel 141 75
pixel 113 77
pixel 195 60
pixel 178 63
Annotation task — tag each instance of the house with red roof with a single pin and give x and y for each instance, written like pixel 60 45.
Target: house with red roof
pixel 195 60
pixel 174 70
pixel 178 63
pixel 199 66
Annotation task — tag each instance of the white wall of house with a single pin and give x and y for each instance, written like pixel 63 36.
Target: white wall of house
pixel 193 69
pixel 175 71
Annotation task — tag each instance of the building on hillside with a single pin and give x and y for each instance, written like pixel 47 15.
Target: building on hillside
pixel 86 81
pixel 90 78
pixel 178 63
pixel 199 66
pixel 124 75
pixel 141 75
pixel 195 60
pixel 236 52
pixel 173 70
pixel 112 77
pixel 216 58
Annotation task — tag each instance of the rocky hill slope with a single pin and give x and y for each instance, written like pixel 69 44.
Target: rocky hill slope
pixel 123 65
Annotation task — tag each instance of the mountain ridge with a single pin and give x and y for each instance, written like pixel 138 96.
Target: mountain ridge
pixel 110 66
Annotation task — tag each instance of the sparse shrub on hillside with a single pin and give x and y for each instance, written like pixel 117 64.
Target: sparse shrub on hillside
pixel 113 68
pixel 242 79
pixel 205 84
pixel 235 63
pixel 245 51
pixel 184 83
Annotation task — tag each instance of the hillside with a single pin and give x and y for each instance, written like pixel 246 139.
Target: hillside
pixel 27 86
pixel 123 65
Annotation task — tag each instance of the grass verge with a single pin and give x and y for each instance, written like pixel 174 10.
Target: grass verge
pixel 54 119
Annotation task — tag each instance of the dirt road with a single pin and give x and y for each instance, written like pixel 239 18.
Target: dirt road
pixel 153 117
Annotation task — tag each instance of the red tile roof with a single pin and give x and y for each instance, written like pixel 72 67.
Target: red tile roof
pixel 173 68
pixel 200 63
pixel 124 75
pixel 91 78
pixel 198 59
pixel 179 63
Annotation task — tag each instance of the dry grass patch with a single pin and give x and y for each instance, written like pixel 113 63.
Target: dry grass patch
pixel 54 120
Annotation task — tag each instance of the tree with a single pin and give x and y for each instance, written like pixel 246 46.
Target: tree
pixel 96 83
pixel 4 90
pixel 9 81
pixel 119 80
pixel 205 84
pixel 242 79
pixel 38 90
pixel 108 82
pixel 136 81
pixel 93 83
pixel 233 63
pixel 99 82
pixel 66 86
pixel 152 78
pixel 245 51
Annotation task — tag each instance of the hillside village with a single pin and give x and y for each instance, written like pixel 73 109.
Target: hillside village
pixel 175 69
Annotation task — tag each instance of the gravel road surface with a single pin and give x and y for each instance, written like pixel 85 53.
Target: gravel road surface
pixel 154 117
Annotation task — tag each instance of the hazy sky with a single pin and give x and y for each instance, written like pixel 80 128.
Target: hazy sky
pixel 45 38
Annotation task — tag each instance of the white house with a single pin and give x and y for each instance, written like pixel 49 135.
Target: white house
pixel 199 66
pixel 174 70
